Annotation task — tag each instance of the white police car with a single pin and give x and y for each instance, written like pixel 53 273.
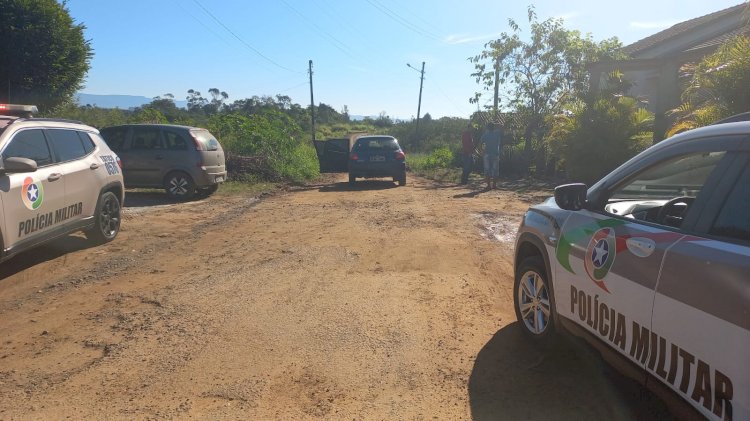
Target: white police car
pixel 652 266
pixel 56 177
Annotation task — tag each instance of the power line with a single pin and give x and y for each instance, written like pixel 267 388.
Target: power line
pixel 404 22
pixel 263 56
pixel 418 16
pixel 453 103
pixel 294 87
pixel 335 42
pixel 200 22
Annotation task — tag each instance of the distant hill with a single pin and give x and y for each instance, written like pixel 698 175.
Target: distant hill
pixel 117 101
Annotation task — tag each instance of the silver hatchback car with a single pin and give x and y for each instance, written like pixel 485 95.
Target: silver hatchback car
pixel 651 265
pixel 183 160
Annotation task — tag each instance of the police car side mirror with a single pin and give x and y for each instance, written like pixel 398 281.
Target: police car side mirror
pixel 571 197
pixel 18 165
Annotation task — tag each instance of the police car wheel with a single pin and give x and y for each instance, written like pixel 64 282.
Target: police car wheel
pixel 533 301
pixel 402 180
pixel 179 186
pixel 107 218
pixel 352 179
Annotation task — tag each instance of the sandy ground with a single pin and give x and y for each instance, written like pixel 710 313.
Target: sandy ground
pixel 321 301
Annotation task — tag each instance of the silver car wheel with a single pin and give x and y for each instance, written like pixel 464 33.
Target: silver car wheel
pixel 178 186
pixel 534 302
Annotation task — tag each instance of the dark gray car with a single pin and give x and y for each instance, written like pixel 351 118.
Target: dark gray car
pixel 652 266
pixel 181 159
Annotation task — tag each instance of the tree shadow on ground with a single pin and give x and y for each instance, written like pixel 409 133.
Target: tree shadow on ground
pixel 46 252
pixel 512 379
pixel 140 199
pixel 359 186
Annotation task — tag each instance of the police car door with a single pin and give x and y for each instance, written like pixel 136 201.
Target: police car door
pixel 30 200
pixel 610 257
pixel 78 166
pixel 702 304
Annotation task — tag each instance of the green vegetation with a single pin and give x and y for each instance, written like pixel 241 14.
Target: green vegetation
pixel 718 87
pixel 532 77
pixel 599 132
pixel 438 165
pixel 44 53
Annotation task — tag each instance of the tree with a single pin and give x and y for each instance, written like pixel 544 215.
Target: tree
pixel 43 53
pixel 148 115
pixel 595 134
pixel 718 87
pixel 537 76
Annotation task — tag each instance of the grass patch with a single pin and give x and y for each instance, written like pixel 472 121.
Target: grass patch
pixel 426 165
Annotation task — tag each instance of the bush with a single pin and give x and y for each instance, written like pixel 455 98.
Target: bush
pixel 439 158
pixel 599 134
pixel 272 135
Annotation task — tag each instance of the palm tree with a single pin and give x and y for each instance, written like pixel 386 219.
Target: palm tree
pixel 718 87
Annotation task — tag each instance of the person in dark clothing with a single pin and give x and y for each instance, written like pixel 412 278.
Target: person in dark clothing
pixel 467 149
pixel 491 140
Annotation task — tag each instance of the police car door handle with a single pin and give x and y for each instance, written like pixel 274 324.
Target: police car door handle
pixel 94 166
pixel 54 176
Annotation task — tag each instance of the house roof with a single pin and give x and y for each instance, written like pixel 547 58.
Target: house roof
pixel 681 28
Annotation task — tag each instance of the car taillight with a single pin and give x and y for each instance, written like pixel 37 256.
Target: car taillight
pixel 355 157
pixel 198 144
pixel 119 162
pixel 399 156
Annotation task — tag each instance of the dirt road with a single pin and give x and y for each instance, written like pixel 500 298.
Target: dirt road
pixel 316 302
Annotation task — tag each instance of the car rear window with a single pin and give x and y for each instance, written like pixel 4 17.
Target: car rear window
pixel 205 137
pixel 377 143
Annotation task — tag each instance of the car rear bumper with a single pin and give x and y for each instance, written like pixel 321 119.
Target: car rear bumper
pixel 368 169
pixel 209 178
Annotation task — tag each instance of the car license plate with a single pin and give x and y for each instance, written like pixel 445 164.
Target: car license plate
pixel 377 158
pixel 219 179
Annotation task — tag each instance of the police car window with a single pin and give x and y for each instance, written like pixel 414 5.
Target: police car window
pixel 663 193
pixel 88 143
pixel 175 142
pixel 115 138
pixel 733 220
pixel 29 144
pixel 67 144
pixel 146 139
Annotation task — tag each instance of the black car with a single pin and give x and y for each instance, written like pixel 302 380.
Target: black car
pixel 377 156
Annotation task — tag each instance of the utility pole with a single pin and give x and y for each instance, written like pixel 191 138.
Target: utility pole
pixel 419 106
pixel 497 88
pixel 312 102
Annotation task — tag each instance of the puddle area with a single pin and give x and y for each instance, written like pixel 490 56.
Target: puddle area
pixel 498 227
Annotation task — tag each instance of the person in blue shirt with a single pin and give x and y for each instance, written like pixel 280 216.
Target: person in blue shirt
pixel 491 141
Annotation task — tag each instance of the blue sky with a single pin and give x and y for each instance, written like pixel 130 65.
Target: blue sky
pixel 359 48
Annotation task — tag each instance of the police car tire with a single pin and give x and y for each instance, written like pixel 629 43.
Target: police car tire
pixel 402 180
pixel 548 336
pixel 352 179
pixel 182 180
pixel 109 203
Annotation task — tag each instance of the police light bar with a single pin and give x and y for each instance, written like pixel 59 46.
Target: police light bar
pixel 21 108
